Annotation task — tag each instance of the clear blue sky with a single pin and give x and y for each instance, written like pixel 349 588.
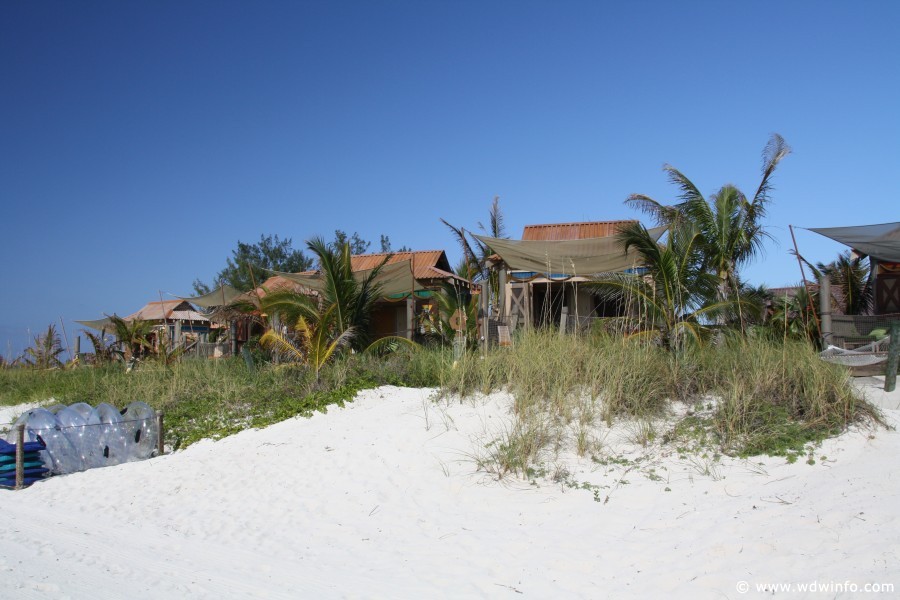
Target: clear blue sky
pixel 139 141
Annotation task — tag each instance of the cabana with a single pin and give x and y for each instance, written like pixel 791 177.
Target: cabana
pixel 539 275
pixel 881 243
pixel 407 279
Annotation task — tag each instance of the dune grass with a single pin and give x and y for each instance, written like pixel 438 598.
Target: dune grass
pixel 744 396
pixel 214 398
pixel 766 396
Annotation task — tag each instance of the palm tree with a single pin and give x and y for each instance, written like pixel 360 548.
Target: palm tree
pixel 318 339
pixel 45 352
pixel 852 276
pixel 475 253
pixel 338 316
pixel 730 226
pixel 676 297
pixel 135 335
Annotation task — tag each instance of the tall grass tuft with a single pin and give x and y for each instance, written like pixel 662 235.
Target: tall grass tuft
pixel 771 396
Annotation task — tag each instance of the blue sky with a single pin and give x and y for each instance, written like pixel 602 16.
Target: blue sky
pixel 139 141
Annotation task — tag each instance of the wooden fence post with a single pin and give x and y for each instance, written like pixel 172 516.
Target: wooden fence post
pixel 20 456
pixel 890 375
pixel 160 441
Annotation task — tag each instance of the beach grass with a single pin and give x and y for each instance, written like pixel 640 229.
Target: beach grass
pixel 742 395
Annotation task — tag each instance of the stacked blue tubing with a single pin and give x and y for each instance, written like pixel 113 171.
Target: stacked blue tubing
pixel 33 463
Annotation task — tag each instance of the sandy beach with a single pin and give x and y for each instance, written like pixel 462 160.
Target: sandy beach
pixel 382 499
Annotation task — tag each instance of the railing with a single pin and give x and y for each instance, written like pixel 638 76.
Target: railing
pixel 853 331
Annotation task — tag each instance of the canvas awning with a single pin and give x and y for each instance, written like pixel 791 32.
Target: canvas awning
pixel 394 279
pixel 583 257
pixel 221 296
pixel 881 242
pixel 104 324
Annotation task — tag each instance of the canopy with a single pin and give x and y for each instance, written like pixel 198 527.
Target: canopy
pixel 583 257
pixel 221 296
pixel 394 279
pixel 881 242
pixel 104 324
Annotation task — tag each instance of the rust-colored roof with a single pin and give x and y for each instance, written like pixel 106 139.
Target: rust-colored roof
pixel 277 283
pixel 572 231
pixel 427 264
pixel 166 309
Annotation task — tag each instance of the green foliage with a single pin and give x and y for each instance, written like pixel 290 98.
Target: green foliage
pixel 676 295
pixel 475 254
pixel 725 233
pixel 771 396
pixel 104 352
pixel 134 335
pixel 453 300
pixel 355 242
pixel 851 281
pixel 269 253
pixel 215 398
pixel 45 352
pixel 386 245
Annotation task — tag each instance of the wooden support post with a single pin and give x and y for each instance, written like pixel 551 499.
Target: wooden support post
pixel 502 299
pixel 161 440
pixel 485 319
pixel 410 316
pixel 563 318
pixel 825 309
pixel 890 375
pixel 20 456
pixel 77 347
pixel 232 330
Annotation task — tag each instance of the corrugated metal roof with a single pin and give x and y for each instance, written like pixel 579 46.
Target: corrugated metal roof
pixel 427 264
pixel 572 231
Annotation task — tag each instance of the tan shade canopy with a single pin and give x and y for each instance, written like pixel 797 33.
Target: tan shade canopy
pixel 394 279
pixel 104 324
pixel 568 257
pixel 221 296
pixel 881 241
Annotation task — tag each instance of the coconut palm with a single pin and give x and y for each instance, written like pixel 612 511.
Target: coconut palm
pixel 675 298
pixel 851 281
pixel 339 314
pixel 317 339
pixel 45 352
pixel 134 335
pixel 474 264
pixel 730 225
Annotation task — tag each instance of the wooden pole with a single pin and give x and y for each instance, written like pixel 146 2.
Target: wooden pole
pixel 812 307
pixel 890 375
pixel 161 440
pixel 20 456
pixel 825 309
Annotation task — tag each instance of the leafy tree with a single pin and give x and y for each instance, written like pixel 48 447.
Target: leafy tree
pixel 357 244
pixel 45 352
pixel 729 224
pixel 386 245
pixel 269 253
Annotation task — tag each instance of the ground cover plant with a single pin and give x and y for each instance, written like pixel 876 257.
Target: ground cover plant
pixel 214 398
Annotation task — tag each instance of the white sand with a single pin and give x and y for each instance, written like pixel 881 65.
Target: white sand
pixel 381 500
